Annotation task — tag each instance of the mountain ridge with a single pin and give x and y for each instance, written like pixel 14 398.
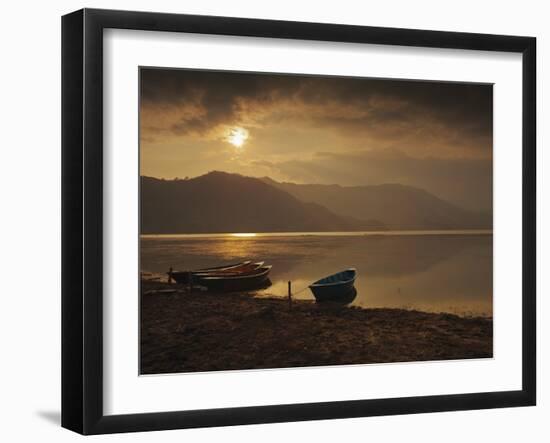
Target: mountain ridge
pixel 223 202
pixel 396 205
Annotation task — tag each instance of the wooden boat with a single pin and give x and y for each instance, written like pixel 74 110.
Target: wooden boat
pixel 335 287
pixel 342 300
pixel 183 276
pixel 255 279
pixel 244 269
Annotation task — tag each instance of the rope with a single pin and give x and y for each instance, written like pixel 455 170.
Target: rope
pixel 286 295
pixel 301 290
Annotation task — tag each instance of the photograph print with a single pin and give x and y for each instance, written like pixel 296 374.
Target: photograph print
pixel 300 220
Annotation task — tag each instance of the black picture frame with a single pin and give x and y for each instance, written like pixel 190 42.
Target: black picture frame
pixel 82 219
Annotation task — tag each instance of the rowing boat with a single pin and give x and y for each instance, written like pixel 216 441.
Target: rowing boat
pixel 183 276
pixel 255 279
pixel 244 269
pixel 335 287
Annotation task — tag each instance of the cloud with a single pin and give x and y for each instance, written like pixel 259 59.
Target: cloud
pixel 205 103
pixel 313 129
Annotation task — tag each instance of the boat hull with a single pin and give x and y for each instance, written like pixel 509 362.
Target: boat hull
pixel 182 277
pixel 339 287
pixel 343 293
pixel 256 280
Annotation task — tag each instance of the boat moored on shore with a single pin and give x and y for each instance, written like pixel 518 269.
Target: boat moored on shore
pixel 182 277
pixel 335 287
pixel 256 279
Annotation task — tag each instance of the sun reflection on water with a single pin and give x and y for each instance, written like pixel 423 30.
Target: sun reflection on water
pixel 446 273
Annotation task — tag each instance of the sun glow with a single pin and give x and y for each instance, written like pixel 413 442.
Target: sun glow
pixel 244 234
pixel 237 137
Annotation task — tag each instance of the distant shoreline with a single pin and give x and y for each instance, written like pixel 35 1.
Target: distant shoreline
pixel 198 332
pixel 403 232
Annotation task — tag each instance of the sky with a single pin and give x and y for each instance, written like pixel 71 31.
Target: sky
pixel 350 131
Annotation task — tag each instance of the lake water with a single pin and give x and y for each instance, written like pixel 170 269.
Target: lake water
pixel 436 271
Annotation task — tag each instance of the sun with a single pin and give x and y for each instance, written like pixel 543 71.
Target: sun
pixel 237 137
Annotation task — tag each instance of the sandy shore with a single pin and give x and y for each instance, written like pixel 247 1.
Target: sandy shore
pixel 183 332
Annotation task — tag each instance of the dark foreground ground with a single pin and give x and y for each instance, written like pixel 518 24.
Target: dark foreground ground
pixel 183 332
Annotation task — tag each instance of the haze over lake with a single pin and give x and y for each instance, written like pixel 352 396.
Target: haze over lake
pixel 429 271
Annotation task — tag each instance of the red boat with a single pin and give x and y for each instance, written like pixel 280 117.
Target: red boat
pixel 229 282
pixel 182 277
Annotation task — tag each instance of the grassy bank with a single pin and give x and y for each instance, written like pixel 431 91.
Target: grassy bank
pixel 202 331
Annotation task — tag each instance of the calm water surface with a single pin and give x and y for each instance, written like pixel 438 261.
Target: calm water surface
pixel 431 270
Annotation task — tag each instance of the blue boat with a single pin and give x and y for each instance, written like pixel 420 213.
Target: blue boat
pixel 335 287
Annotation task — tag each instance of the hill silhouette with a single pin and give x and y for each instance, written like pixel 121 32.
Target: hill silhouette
pixel 223 202
pixel 396 206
